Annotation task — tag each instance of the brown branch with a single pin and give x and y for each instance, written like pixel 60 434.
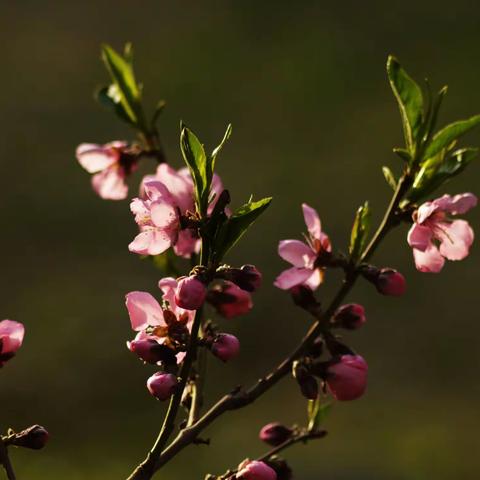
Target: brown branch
pixel 5 461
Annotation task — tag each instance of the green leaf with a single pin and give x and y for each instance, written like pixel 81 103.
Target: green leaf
pixel 410 101
pixel 196 160
pixel 438 170
pixel 236 226
pixel 448 134
pixel 317 412
pixel 389 177
pixel 121 71
pixel 403 154
pixel 211 160
pixel 360 229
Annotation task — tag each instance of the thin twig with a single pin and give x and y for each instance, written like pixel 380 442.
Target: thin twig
pixel 5 461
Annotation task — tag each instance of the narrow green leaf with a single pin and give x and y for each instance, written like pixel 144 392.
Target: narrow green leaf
pixel 448 134
pixel 158 110
pixel 122 75
pixel 236 226
pixel 403 154
pixel 317 412
pixel 128 52
pixel 211 160
pixel 359 233
pixel 196 160
pixel 433 116
pixel 410 101
pixel 389 177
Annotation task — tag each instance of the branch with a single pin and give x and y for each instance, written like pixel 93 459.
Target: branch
pixel 240 398
pixel 5 461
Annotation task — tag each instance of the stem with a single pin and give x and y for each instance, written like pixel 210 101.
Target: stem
pixel 5 461
pixel 240 398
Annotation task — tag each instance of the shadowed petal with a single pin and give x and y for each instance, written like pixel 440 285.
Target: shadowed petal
pixel 292 277
pixel 429 261
pixel 143 310
pixel 456 239
pixel 312 220
pixel 419 237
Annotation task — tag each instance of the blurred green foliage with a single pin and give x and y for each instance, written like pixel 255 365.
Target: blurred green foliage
pixel 304 85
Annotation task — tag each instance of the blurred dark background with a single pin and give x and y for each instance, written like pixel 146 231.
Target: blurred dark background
pixel 314 120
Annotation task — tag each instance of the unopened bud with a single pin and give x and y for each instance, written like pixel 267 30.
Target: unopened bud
pixel 230 300
pixel 34 437
pixel 225 346
pixel 386 280
pixel 150 351
pixel 248 278
pixel 303 297
pixel 191 293
pixel 255 470
pixel 275 434
pixel 162 385
pixel 350 316
pixel 283 471
pixel 346 377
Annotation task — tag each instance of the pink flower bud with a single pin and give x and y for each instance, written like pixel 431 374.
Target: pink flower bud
pixel 150 351
pixel 162 385
pixel 190 293
pixel 230 300
pixel 347 377
pixel 254 470
pixel 11 339
pixel 250 277
pixel 34 437
pixel 390 282
pixel 225 346
pixel 275 433
pixel 350 316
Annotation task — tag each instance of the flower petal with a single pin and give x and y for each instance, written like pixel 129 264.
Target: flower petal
pixel 94 158
pixel 419 237
pixel 429 261
pixel 110 184
pixel 298 253
pixel 164 215
pixel 178 185
pixel 292 277
pixel 456 239
pixel 150 242
pixel 143 310
pixel 312 220
pixel 457 204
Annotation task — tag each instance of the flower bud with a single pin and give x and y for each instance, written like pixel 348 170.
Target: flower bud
pixel 162 385
pixel 350 316
pixel 303 297
pixel 307 383
pixel 248 278
pixel 390 282
pixel 225 346
pixel 11 339
pixel 346 377
pixel 255 470
pixel 281 468
pixel 190 293
pixel 150 351
pixel 229 300
pixel 34 437
pixel 275 434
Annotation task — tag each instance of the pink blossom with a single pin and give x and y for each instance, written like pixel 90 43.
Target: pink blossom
pixel 304 255
pixel 152 322
pixel 160 229
pixel 162 385
pixel 347 377
pixel 225 346
pixel 434 236
pixel 230 300
pixel 11 339
pixel 255 470
pixel 111 163
pixel 191 293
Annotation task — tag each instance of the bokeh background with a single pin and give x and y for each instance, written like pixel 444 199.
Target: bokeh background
pixel 304 85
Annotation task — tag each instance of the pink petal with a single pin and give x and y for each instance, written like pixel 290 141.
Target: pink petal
pixel 425 211
pixel 457 204
pixel 11 335
pixel 315 279
pixel 168 286
pixel 298 253
pixel 94 158
pixel 456 239
pixel 177 184
pixel 140 209
pixel 110 184
pixel 419 237
pixel 292 277
pixel 312 220
pixel 156 190
pixel 164 215
pixel 143 310
pixel 429 261
pixel 150 242
pixel 186 244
